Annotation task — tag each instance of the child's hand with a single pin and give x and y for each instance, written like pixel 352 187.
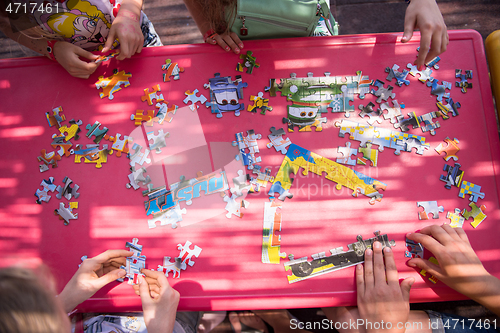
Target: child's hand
pixel 68 55
pixel 159 301
pixel 425 16
pixel 127 30
pixel 228 41
pixel 380 296
pixel 459 267
pixel 93 274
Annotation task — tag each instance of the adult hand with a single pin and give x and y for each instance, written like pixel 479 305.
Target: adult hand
pixel 159 301
pixel 68 55
pixel 93 274
pixel 228 41
pixel 459 267
pixel 381 299
pixel 127 30
pixel 425 16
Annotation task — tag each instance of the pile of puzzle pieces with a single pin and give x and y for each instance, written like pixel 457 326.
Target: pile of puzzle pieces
pixel 68 191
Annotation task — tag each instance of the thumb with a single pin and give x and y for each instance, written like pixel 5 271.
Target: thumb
pixel 85 54
pixel 409 25
pixel 110 277
pixel 406 287
pixel 144 291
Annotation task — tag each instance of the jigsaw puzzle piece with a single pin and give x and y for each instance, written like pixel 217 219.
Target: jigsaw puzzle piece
pixel 259 103
pixel 249 62
pixel 240 184
pixel 174 267
pixel 439 90
pixel 154 95
pixel 399 76
pixel 393 113
pixel 71 131
pixel 430 207
pixel 451 149
pixel 94 130
pixel 471 189
pixel 68 191
pixel 165 113
pixel 463 83
pixel 414 250
pixel 456 220
pixel 370 156
pixel 277 141
pixel 476 212
pixel 158 140
pixel 135 263
pixel 187 253
pixel 425 75
pixel 194 98
pixel 347 152
pixel 67 214
pixel 368 110
pixel 450 107
pixel 173 69
pixel 136 177
pixel 119 145
pixel 170 216
pixel 234 207
pixel 271 242
pixel 48 159
pixel 453 175
pixel 48 186
pixel 139 157
pixel 56 118
pixel 382 93
pixel 139 117
pixel 112 84
pixel 65 146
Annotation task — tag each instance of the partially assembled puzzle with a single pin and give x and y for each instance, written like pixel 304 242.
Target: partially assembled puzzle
pixel 135 263
pixel 321 263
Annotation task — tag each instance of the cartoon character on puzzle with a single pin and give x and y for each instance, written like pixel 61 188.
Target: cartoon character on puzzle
pixel 225 94
pixel 304 117
pixel 80 22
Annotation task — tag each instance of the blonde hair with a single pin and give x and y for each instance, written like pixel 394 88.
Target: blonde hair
pixel 26 304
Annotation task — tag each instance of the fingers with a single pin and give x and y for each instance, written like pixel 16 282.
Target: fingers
pixel 425 43
pixel 430 238
pixel 360 281
pixel 409 26
pixel 406 287
pixel 378 264
pixel 109 41
pixel 144 291
pixel 368 269
pixel 228 42
pixel 390 266
pixel 109 255
pixel 110 277
pixel 425 265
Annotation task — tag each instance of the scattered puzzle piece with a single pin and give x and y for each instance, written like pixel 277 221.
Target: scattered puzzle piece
pixel 112 84
pixel 103 58
pixel 174 267
pixel 55 119
pixel 423 272
pixel 259 103
pixel 425 75
pixel 453 177
pixel 138 157
pixel 139 117
pixel 262 178
pixel 240 184
pixel 451 107
pixel 456 220
pixel 247 142
pixel 193 98
pixel 119 145
pixel 439 89
pixel 225 94
pixel 154 95
pixel 165 113
pixel 277 141
pixel 92 154
pixel 234 207
pixel 472 189
pixel 382 93
pixel 173 69
pixel 393 113
pixel 48 186
pixel 187 253
pixel 368 110
pixel 136 177
pixel 399 76
pixel 65 146
pixel 71 131
pixel 48 159
pixel 248 62
pixel 463 83
pixel 451 149
pixel 94 130
pixel 68 191
pixel 477 213
pixel 430 207
pixel 67 214
pixel 158 140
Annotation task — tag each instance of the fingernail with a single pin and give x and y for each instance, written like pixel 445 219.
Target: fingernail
pixel 228 48
pixel 420 67
pixel 358 267
pixel 368 252
pixel 240 45
pixel 410 263
pixel 236 50
pixel 376 245
pixel 408 234
pixel 122 272
pixel 387 249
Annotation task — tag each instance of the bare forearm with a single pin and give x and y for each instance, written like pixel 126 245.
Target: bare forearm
pixel 134 6
pixel 489 297
pixel 37 45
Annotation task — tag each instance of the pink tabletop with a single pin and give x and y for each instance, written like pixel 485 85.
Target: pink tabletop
pixel 229 274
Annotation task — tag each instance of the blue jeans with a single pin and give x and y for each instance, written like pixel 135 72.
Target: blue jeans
pixel 448 323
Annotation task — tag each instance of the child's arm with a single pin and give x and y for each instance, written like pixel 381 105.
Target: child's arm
pixel 425 16
pixel 127 29
pixel 228 41
pixel 66 54
pixel 159 301
pixel 459 267
pixel 93 274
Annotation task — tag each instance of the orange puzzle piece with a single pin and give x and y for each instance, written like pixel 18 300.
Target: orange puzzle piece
pixel 112 84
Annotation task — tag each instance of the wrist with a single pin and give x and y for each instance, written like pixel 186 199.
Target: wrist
pixel 128 14
pixel 50 49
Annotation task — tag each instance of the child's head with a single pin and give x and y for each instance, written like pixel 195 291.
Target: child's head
pixel 27 305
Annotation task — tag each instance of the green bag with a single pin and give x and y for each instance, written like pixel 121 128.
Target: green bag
pixel 262 19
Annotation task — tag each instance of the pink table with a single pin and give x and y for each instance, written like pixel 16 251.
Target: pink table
pixel 229 274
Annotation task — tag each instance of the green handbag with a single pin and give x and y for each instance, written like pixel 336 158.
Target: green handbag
pixel 262 19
